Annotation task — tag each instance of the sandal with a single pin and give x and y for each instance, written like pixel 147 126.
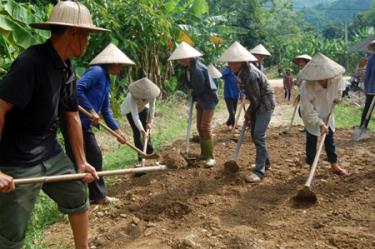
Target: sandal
pixel 339 171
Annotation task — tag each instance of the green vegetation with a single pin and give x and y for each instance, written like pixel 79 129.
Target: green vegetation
pixel 348 116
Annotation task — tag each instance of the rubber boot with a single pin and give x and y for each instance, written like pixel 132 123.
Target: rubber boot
pixel 210 153
pixel 203 155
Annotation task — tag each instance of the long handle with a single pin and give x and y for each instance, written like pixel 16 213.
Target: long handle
pixel 239 142
pixel 369 111
pixel 145 146
pixel 71 177
pixel 316 159
pixel 190 120
pixel 293 116
pixel 112 132
pixel 238 115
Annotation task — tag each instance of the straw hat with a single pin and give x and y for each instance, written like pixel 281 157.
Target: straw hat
pixel 144 89
pixel 305 57
pixel 371 46
pixel 260 49
pixel 69 14
pixel 111 55
pixel 237 53
pixel 321 68
pixel 213 72
pixel 184 51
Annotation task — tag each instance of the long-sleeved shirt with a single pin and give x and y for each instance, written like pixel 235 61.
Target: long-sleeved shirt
pixel 370 76
pixel 288 81
pixel 257 89
pixel 316 103
pixel 93 90
pixel 131 105
pixel 231 90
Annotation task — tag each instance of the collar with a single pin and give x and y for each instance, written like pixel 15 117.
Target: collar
pixel 55 58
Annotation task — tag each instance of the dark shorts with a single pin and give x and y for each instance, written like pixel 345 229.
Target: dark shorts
pixel 16 206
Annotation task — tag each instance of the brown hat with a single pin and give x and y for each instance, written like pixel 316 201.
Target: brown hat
pixel 305 57
pixel 321 68
pixel 213 72
pixel 237 53
pixel 144 89
pixel 70 14
pixel 260 49
pixel 111 55
pixel 184 51
pixel 371 46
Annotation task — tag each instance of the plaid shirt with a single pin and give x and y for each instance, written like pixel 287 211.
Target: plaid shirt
pixel 257 89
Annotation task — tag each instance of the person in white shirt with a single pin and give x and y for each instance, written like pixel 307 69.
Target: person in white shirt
pixel 139 109
pixel 322 89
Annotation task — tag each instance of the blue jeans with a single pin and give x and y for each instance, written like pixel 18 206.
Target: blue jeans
pixel 259 125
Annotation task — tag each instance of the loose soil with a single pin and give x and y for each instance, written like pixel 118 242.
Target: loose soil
pixel 190 206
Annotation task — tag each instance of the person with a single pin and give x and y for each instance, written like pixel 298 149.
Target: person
pixel 301 61
pixel 260 52
pixel 93 90
pixel 215 75
pixel 258 90
pixel 231 95
pixel 203 91
pixel 288 83
pixel 321 91
pixel 369 86
pixel 139 109
pixel 39 85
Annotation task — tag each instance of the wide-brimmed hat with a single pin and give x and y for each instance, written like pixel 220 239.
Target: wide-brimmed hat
pixel 144 89
pixel 111 55
pixel 260 49
pixel 184 51
pixel 371 46
pixel 70 14
pixel 213 72
pixel 321 68
pixel 304 57
pixel 237 53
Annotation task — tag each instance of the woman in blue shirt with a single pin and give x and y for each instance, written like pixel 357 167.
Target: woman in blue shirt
pixel 231 95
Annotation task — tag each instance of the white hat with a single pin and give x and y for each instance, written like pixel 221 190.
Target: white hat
pixel 321 68
pixel 70 14
pixel 260 49
pixel 184 51
pixel 237 53
pixel 213 72
pixel 111 55
pixel 144 89
pixel 305 57
pixel 371 46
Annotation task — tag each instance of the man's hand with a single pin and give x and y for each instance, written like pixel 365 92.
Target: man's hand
pixel 6 183
pixel 149 125
pixel 94 117
pixel 323 129
pixel 144 133
pixel 90 171
pixel 121 139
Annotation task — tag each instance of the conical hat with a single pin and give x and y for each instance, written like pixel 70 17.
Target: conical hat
pixel 184 51
pixel 260 49
pixel 371 46
pixel 305 57
pixel 70 14
pixel 321 68
pixel 213 72
pixel 111 55
pixel 144 89
pixel 237 53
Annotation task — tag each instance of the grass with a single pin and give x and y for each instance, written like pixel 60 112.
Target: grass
pixel 170 123
pixel 348 116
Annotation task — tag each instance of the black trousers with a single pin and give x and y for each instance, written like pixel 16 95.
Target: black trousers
pixel 137 136
pixel 329 145
pixel 232 108
pixel 94 158
pixel 287 93
pixel 365 110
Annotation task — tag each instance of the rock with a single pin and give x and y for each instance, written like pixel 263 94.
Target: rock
pixel 135 220
pixel 100 214
pixel 123 215
pixel 189 242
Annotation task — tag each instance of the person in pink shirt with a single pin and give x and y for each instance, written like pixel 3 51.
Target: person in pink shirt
pixel 288 83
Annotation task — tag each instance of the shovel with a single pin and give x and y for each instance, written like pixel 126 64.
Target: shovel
pixel 188 130
pixel 112 132
pixel 145 146
pixel 293 116
pixel 74 177
pixel 306 195
pixel 362 132
pixel 232 165
pixel 238 116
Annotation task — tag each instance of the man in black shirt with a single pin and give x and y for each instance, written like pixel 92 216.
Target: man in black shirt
pixel 39 88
